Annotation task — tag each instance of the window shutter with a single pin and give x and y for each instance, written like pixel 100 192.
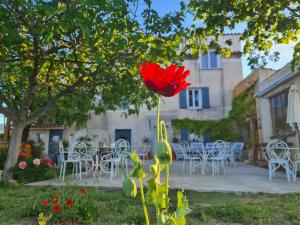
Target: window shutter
pixel 184 134
pixel 182 99
pixel 205 98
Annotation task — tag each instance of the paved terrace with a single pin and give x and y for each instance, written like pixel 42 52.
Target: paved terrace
pixel 242 178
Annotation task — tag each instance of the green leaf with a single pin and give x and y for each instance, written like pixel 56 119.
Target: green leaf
pixel 129 187
pixel 182 208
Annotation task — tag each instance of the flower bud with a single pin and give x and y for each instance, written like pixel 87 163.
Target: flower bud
pixel 164 152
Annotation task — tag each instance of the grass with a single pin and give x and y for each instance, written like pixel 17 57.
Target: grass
pixel 17 207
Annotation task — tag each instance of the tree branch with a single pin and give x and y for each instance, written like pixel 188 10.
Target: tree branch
pixel 293 11
pixel 52 102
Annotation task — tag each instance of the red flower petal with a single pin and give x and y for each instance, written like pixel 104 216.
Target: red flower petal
pixel 69 202
pixel 57 208
pixel 55 199
pixel 167 82
pixel 45 202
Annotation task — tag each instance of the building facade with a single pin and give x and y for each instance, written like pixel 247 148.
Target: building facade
pixel 212 81
pixel 272 102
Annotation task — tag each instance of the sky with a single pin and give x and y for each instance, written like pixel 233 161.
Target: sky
pixel 286 51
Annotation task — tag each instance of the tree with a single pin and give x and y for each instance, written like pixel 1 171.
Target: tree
pixel 73 56
pixel 266 23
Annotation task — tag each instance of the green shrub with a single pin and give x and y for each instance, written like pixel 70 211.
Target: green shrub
pixel 3 156
pixel 33 172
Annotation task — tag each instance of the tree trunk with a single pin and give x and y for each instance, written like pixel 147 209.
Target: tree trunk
pixel 13 150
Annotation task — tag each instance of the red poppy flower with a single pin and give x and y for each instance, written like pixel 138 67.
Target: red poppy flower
pixel 69 202
pixel 83 190
pixel 167 82
pixel 56 208
pixel 74 222
pixel 63 223
pixel 55 200
pixel 45 202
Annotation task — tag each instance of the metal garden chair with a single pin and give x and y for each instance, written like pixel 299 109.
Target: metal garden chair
pixel 277 154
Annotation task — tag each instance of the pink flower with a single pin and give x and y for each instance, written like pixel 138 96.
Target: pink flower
pixel 47 161
pixel 22 155
pixel 36 162
pixel 22 165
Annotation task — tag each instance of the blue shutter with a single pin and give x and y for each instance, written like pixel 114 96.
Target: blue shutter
pixel 213 60
pixel 182 99
pixel 204 61
pixel 184 134
pixel 205 98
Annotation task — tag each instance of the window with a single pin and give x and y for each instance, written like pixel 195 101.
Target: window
pixel 279 104
pixel 209 61
pixel 194 99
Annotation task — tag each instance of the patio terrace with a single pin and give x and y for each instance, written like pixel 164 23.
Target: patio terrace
pixel 243 178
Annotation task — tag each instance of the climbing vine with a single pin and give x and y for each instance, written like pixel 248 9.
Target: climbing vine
pixel 226 128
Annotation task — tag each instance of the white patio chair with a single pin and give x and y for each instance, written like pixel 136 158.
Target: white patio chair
pixel 104 164
pixel 178 150
pixel 68 157
pixel 199 146
pixel 229 154
pixel 121 146
pixel 182 154
pixel 215 157
pixel 237 148
pixel 282 158
pixel 80 149
pixel 209 145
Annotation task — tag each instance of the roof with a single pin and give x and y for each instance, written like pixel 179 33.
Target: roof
pixel 47 127
pixel 278 78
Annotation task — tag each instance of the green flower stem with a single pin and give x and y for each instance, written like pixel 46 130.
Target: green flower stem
pixel 158 134
pixel 158 119
pixel 167 185
pixel 143 201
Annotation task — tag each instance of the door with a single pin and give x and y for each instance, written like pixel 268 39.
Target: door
pixel 54 137
pixel 123 134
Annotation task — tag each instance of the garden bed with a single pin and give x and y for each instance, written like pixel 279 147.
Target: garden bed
pixel 20 205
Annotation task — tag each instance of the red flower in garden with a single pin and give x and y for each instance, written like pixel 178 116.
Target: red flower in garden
pixel 167 82
pixel 55 199
pixel 64 223
pixel 45 202
pixel 74 222
pixel 69 202
pixel 56 208
pixel 47 161
pixel 83 190
pixel 22 155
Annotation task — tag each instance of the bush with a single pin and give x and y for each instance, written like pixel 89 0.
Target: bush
pixel 3 156
pixel 27 171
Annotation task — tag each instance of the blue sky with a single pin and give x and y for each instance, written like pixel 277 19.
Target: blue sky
pixel 286 51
